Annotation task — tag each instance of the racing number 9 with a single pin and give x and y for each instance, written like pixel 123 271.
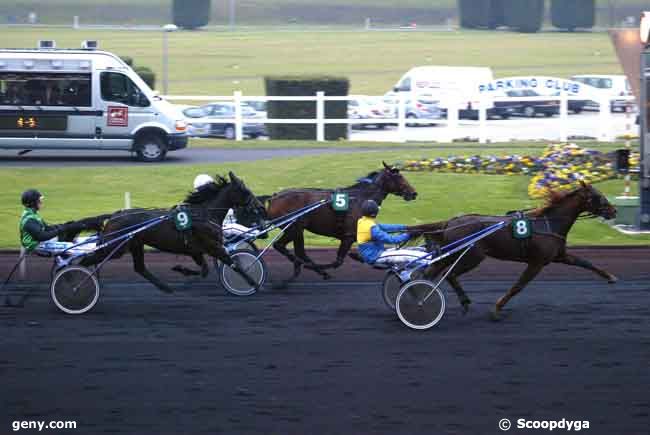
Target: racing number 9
pixel 182 220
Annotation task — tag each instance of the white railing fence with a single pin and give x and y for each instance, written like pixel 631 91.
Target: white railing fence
pixel 450 125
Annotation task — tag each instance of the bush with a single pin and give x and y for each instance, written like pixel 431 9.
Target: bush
pixel 524 15
pixel 127 60
pixel 147 75
pixel 481 13
pixel 570 14
pixel 191 14
pixel 303 87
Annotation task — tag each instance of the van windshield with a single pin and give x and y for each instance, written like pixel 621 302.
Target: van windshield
pixel 45 89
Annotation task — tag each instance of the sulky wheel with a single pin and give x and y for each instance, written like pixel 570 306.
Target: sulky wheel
pixel 249 262
pixel 392 285
pixel 420 304
pixel 74 290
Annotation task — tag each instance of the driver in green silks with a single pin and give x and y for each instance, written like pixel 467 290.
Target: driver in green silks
pixel 33 229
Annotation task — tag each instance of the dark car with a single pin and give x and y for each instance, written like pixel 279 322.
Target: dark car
pixel 214 111
pixel 530 109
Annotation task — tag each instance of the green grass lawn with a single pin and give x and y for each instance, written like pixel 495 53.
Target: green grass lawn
pixel 218 63
pixel 79 192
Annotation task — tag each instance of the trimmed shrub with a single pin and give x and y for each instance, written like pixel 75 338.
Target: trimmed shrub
pixel 191 14
pixel 127 60
pixel 147 75
pixel 306 87
pixel 481 13
pixel 524 15
pixel 571 14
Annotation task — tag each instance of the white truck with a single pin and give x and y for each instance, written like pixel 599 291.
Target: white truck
pixel 83 99
pixel 447 83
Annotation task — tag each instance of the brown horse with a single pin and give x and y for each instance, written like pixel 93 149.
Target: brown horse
pixel 547 243
pixel 327 222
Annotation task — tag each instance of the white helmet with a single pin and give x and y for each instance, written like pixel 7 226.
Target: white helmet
pixel 202 180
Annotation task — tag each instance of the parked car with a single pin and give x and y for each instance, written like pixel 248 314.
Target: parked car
pixel 530 109
pixel 369 108
pixel 213 111
pixel 423 107
pixel 195 127
pixel 575 106
pixel 612 85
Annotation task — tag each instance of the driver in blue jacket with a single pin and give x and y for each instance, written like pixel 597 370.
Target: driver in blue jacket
pixel 371 237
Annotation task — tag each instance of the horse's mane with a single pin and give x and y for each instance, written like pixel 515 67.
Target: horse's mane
pixel 360 182
pixel 553 199
pixel 207 191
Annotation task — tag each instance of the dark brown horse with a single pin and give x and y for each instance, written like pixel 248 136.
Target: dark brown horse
pixel 207 206
pixel 328 222
pixel 547 244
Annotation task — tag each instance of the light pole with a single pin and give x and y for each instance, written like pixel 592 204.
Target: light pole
pixel 232 15
pixel 167 28
pixel 644 124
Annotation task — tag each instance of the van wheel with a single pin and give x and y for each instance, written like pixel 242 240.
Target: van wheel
pixel 151 148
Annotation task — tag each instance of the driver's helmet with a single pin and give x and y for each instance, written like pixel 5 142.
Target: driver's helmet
pixel 369 208
pixel 202 180
pixel 30 197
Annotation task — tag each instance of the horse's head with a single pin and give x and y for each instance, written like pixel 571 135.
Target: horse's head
pixel 595 202
pixel 242 198
pixel 391 181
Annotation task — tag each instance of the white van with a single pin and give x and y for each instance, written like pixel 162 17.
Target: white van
pixel 612 85
pixel 446 82
pixel 83 99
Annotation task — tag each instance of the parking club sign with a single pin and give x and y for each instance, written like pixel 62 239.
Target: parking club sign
pixel 542 84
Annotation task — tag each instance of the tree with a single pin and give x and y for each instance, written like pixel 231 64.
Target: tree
pixel 191 14
pixel 571 14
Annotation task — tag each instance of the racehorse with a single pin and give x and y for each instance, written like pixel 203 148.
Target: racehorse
pixel 207 207
pixel 326 221
pixel 550 226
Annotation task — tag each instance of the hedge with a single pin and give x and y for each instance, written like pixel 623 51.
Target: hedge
pixel 571 14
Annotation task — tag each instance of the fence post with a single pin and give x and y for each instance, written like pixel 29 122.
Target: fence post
pixel 239 128
pixel 564 117
pixel 127 200
pixel 368 23
pixel 604 121
pixel 452 118
pixel 482 120
pixel 401 117
pixel 320 116
pixel 75 22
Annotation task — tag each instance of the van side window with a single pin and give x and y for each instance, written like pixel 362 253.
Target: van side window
pixel 119 88
pixel 45 89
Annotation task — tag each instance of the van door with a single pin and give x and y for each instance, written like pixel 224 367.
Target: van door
pixel 124 107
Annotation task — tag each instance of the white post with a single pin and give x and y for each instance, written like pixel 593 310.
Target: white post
pixel 401 117
pixel 320 116
pixel 564 117
pixel 452 118
pixel 22 268
pixel 75 22
pixel 127 200
pixel 368 23
pixel 604 119
pixel 239 127
pixel 482 120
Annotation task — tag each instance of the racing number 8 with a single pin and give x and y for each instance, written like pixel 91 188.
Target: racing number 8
pixel 521 228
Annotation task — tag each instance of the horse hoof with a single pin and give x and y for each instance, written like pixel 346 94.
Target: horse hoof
pixel 327 277
pixel 280 285
pixel 166 289
pixel 612 279
pixel 465 306
pixel 495 316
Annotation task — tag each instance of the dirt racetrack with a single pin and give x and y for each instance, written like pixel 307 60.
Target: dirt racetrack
pixel 329 358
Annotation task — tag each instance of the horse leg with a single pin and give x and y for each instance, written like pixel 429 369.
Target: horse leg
pixel 299 250
pixel 281 246
pixel 572 260
pixel 137 252
pixel 343 250
pixel 200 261
pixel 528 275
pixel 222 255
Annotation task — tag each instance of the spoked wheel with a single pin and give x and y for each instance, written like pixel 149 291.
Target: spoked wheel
pixel 247 261
pixel 420 305
pixel 392 285
pixel 74 290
